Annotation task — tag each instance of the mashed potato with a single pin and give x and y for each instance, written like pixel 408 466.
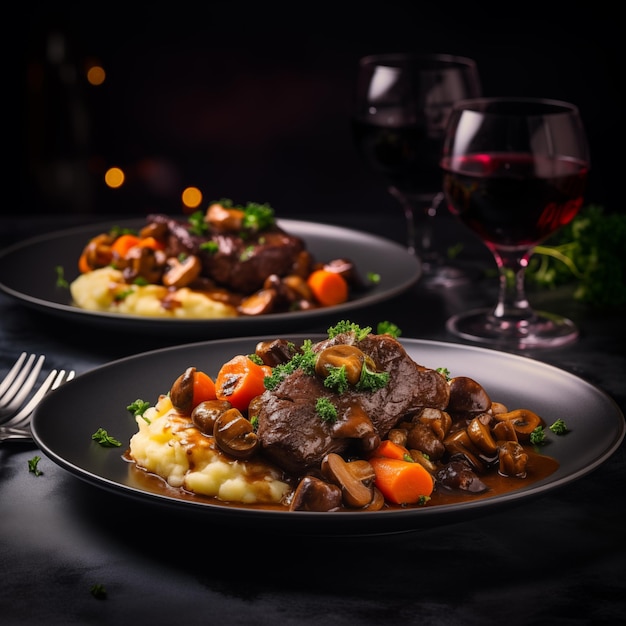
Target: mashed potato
pixel 105 290
pixel 169 445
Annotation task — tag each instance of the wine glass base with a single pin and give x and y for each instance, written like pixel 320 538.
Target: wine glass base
pixel 543 330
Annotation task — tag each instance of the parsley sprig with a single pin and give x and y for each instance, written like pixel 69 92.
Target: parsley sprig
pixel 589 252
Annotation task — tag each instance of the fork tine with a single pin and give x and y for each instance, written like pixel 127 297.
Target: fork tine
pixel 20 381
pixel 8 379
pixel 54 377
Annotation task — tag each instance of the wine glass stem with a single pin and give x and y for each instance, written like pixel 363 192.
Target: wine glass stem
pixel 512 303
pixel 418 213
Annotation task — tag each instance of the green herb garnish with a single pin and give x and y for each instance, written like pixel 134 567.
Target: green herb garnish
pixel 444 371
pixel 258 217
pixel 559 427
pixel 371 380
pixel 336 379
pixel 98 591
pixel 33 466
pixel 388 328
pixel 538 436
pixel 197 224
pixel 589 252
pixel 349 327
pixel 104 439
pixel 326 410
pixel 61 280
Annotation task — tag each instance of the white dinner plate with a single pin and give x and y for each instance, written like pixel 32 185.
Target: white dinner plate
pixel 66 419
pixel 28 273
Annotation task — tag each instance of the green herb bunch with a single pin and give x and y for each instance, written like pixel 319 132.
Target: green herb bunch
pixel 589 251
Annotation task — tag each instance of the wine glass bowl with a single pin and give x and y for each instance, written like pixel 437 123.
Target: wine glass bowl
pixel 514 172
pixel 402 104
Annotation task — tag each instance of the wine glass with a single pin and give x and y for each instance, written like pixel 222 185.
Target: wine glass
pixel 514 171
pixel 402 103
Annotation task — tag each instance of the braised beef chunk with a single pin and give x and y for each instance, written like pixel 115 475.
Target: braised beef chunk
pixel 240 264
pixel 295 437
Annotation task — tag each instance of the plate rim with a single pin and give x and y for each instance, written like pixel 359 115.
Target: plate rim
pixel 379 522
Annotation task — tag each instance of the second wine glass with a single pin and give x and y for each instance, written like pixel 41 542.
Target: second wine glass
pixel 401 108
pixel 515 171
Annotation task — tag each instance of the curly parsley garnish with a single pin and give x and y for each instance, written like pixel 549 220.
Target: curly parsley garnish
pixel 258 217
pixel 337 379
pixel 371 380
pixel 33 466
pixel 349 327
pixel 444 371
pixel 326 410
pixel 104 439
pixel 388 328
pixel 538 436
pixel 559 427
pixel 197 224
pixel 304 360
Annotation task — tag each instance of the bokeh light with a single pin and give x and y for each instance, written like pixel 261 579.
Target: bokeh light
pixel 114 177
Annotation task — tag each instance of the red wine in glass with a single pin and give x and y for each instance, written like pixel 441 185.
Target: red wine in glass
pixel 541 194
pixel 404 154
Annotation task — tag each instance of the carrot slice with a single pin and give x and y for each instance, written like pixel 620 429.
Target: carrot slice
pixel 203 388
pixel 83 264
pixel 151 242
pixel 391 450
pixel 123 244
pixel 329 288
pixel 239 380
pixel 401 482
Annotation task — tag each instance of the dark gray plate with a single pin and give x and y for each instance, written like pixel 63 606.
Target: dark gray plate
pixel 28 273
pixel 65 420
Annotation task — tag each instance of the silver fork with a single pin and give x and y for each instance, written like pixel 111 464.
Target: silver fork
pixel 18 383
pixel 17 428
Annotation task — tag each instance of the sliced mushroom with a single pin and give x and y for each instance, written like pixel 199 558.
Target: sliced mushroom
pixel 276 352
pixel 355 481
pixel 343 355
pixel 460 444
pixel 504 431
pixel 468 396
pixel 524 421
pixel 235 435
pixel 347 269
pixel 314 494
pixel 205 414
pixel 158 230
pixel 182 273
pixel 224 219
pixel 440 421
pixel 259 303
pixel 398 435
pixel 422 437
pixel 459 475
pixel 512 459
pixel 377 503
pixel 98 251
pixel 181 392
pixel 419 457
pixel 481 436
pixel 143 262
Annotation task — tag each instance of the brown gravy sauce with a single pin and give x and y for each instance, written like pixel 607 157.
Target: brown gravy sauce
pixel 538 468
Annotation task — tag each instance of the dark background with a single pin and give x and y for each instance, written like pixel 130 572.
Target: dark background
pixel 252 101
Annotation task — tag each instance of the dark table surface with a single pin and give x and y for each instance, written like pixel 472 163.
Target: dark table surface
pixel 558 559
